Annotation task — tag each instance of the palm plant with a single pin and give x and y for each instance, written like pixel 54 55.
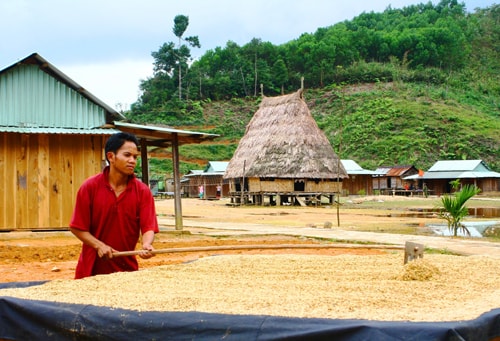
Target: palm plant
pixel 454 209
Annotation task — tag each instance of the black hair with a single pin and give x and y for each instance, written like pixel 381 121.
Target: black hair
pixel 117 140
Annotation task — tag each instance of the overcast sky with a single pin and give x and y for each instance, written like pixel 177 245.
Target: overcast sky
pixel 105 45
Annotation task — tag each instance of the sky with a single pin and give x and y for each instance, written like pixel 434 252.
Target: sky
pixel 105 45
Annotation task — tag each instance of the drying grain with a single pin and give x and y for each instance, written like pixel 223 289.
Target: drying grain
pixel 443 288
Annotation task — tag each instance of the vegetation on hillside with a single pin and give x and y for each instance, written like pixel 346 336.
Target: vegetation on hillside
pixel 405 86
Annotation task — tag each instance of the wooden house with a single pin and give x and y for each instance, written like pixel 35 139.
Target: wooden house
pixel 475 172
pixel 208 183
pixel 360 181
pixel 390 179
pixel 52 133
pixel 284 158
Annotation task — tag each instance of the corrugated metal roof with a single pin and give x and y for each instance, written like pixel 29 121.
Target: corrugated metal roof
pixel 457 169
pixel 163 136
pixel 352 167
pixel 28 130
pixel 194 172
pixel 455 165
pixel 216 166
pixel 454 175
pixel 34 93
pixel 393 171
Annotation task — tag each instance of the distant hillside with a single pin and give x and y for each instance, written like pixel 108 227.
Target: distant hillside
pixel 406 86
pixel 396 123
pixel 373 124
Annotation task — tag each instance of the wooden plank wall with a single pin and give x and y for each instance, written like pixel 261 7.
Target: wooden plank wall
pixel 323 186
pixel 287 186
pixel 41 174
pixel 356 183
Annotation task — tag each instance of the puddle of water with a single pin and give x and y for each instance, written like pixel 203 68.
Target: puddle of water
pixel 478 212
pixel 477 229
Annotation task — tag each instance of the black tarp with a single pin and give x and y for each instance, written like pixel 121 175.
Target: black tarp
pixel 22 319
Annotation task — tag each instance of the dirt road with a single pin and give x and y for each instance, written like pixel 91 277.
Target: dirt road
pixel 34 256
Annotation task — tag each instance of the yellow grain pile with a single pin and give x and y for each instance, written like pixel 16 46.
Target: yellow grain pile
pixel 419 270
pixel 345 286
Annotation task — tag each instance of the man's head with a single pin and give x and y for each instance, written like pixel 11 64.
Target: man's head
pixel 116 141
pixel 122 151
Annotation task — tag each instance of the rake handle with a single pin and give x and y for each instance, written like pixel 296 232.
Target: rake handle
pixel 258 247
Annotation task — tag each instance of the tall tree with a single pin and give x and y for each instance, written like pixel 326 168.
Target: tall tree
pixel 280 74
pixel 181 23
pixel 170 57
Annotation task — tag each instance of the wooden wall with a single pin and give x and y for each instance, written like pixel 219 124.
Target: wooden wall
pixel 41 174
pixel 442 186
pixel 287 186
pixel 209 184
pixel 323 186
pixel 358 183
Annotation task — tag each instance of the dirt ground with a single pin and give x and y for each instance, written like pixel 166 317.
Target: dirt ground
pixel 40 256
pixel 55 257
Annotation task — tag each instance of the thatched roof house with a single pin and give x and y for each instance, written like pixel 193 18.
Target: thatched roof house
pixel 284 153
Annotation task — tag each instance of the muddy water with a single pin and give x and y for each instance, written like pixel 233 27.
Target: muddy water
pixel 487 228
pixel 478 212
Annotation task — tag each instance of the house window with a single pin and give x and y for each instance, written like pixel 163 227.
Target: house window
pixel 299 186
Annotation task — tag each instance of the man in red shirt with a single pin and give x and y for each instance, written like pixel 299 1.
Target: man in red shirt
pixel 113 209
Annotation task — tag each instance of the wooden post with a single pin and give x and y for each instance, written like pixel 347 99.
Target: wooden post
pixel 413 251
pixel 177 182
pixel 243 182
pixel 144 161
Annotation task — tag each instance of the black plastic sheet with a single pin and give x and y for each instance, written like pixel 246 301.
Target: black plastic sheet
pixel 22 319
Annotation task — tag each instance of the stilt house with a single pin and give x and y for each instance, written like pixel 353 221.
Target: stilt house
pixel 284 158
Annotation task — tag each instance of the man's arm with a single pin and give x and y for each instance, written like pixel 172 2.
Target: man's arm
pixel 102 249
pixel 147 244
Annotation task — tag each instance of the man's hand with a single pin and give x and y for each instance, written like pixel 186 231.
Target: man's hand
pixel 147 245
pixel 105 251
pixel 146 251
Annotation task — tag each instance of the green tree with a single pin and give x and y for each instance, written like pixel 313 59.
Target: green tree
pixel 170 57
pixel 454 209
pixel 280 74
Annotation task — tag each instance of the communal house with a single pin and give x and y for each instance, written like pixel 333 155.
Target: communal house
pixel 283 157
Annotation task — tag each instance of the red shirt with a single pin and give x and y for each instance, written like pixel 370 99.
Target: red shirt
pixel 116 221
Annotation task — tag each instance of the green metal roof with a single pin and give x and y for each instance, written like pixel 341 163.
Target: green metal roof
pixel 353 168
pixel 28 130
pixel 35 94
pixel 457 169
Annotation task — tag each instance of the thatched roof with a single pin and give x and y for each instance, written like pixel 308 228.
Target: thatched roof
pixel 282 140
